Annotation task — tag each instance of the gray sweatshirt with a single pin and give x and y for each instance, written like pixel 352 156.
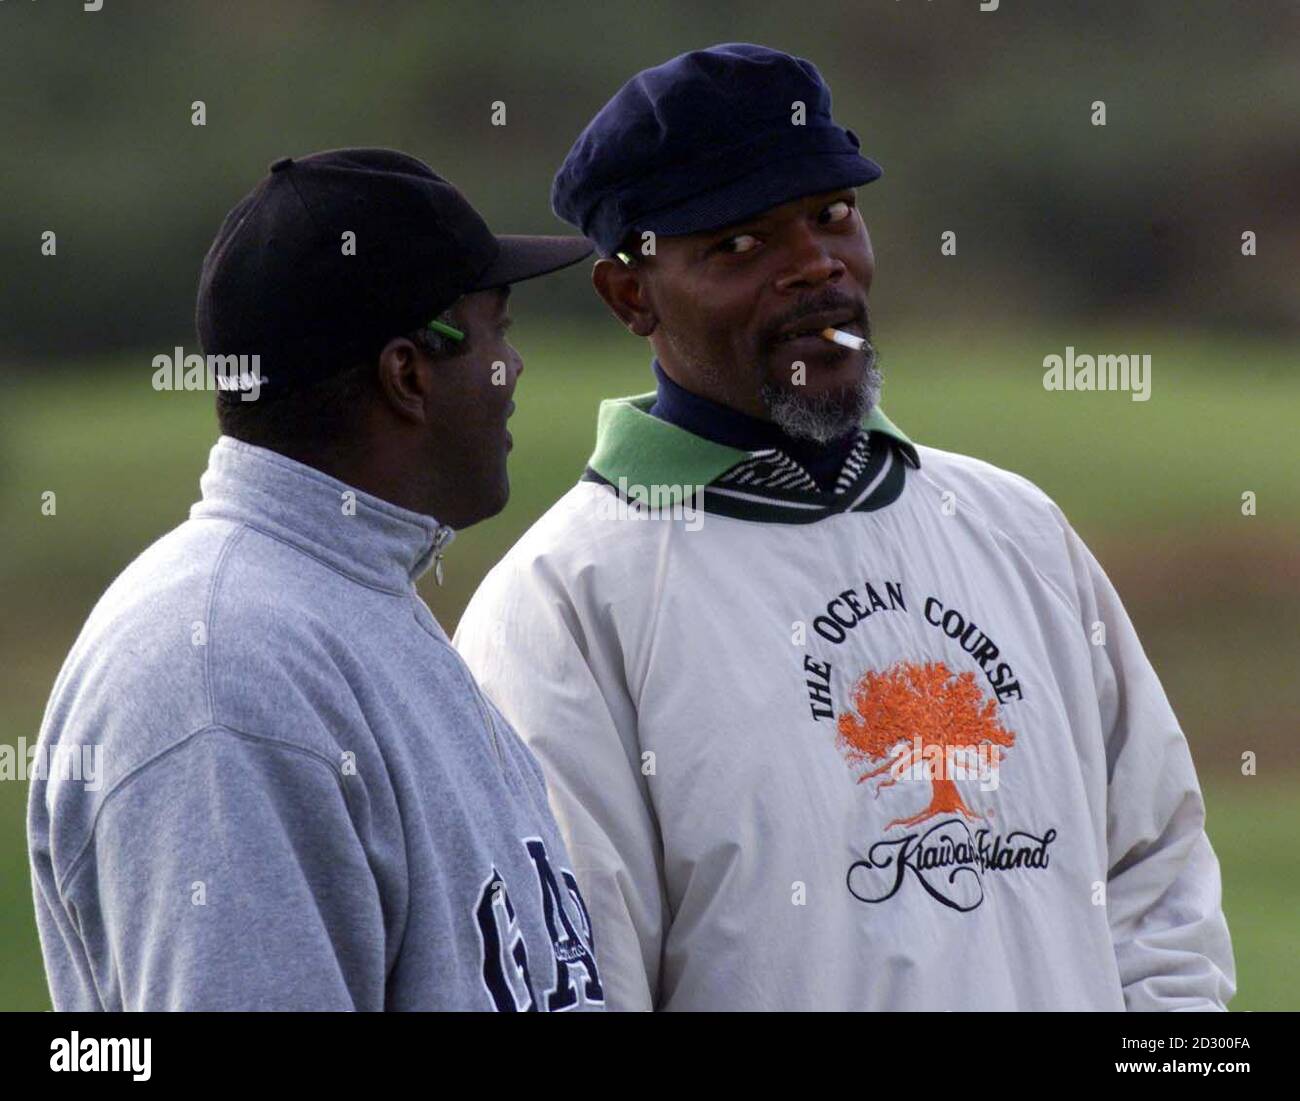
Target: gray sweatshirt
pixel 265 780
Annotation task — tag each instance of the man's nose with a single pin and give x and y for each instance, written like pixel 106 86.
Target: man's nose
pixel 809 262
pixel 514 364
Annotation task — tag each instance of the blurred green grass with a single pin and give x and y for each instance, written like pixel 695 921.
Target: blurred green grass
pixel 1154 486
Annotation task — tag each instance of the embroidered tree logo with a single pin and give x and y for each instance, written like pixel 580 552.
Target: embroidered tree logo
pixel 931 711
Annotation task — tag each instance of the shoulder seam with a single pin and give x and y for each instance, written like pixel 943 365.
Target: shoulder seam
pixel 275 743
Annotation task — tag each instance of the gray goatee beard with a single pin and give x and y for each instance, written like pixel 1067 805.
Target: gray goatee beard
pixel 825 416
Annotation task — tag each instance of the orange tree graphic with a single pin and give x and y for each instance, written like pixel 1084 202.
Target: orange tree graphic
pixel 919 706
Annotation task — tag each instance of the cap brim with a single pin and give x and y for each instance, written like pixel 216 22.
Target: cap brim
pixel 523 257
pixel 758 191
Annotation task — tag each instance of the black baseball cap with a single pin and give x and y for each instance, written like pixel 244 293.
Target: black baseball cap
pixel 333 254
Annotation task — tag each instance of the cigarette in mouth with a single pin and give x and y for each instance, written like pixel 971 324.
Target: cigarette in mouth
pixel 846 339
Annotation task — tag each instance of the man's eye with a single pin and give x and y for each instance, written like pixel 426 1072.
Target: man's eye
pixel 836 212
pixel 742 242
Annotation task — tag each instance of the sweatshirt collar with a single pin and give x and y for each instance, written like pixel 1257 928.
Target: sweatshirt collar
pixel 369 539
pixel 633 444
pixel 652 463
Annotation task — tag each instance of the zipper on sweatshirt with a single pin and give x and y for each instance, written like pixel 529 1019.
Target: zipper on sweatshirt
pixel 483 710
pixel 440 539
pixel 421 609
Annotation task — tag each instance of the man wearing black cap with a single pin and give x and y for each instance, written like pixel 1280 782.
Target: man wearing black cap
pixel 305 802
pixel 874 731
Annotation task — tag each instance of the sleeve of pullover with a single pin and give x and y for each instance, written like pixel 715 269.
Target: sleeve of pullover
pixel 1163 894
pixel 226 874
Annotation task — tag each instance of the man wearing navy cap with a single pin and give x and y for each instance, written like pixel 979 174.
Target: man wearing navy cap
pixel 305 802
pixel 830 720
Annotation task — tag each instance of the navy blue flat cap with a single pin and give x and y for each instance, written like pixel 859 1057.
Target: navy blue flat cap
pixel 703 141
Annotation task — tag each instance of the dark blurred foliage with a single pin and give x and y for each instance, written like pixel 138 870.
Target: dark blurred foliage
pixel 981 120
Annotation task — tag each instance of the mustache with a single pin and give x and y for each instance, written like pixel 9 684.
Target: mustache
pixel 820 303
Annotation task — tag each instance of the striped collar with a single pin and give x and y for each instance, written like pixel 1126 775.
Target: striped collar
pixel 643 458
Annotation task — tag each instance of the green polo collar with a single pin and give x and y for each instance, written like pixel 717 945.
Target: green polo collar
pixel 632 444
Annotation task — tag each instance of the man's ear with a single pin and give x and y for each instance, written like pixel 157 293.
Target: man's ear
pixel 624 291
pixel 405 377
